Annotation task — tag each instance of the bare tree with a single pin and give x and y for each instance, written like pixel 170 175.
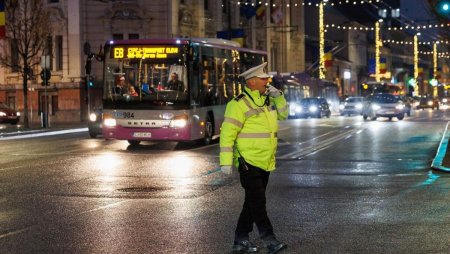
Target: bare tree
pixel 27 28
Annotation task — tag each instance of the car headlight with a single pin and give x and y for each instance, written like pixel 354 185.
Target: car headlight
pixel 2 114
pixel 298 109
pixel 341 107
pixel 93 117
pixel 18 113
pixel 359 106
pixel 400 106
pixel 375 107
pixel 430 103
pixel 313 108
pixel 444 100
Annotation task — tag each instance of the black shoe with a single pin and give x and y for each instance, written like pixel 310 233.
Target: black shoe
pixel 245 246
pixel 274 246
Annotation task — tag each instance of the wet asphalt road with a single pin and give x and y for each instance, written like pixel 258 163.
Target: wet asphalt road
pixel 343 185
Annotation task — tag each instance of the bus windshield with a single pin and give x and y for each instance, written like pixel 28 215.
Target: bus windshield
pixel 147 82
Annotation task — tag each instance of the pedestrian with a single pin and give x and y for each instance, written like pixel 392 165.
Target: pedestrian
pixel 248 140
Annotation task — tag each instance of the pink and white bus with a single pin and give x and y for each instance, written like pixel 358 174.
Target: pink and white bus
pixel 190 109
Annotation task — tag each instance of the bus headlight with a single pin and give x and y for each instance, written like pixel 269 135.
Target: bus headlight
pixel 93 117
pixel 108 121
pixel 179 122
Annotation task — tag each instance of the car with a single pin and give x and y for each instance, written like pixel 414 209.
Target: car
pixel 408 101
pixel 8 115
pixel 445 101
pixel 428 102
pixel 383 105
pixel 351 106
pixel 95 123
pixel 313 107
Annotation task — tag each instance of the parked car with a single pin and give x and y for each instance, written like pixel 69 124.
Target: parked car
pixel 428 102
pixel 313 107
pixel 351 106
pixel 8 115
pixel 95 123
pixel 383 105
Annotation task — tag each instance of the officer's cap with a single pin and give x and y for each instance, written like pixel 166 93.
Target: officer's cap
pixel 257 71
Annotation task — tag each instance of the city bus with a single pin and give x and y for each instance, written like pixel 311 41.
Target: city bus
pixel 207 71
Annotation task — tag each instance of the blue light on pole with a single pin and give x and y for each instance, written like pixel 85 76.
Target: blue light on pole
pixel 445 7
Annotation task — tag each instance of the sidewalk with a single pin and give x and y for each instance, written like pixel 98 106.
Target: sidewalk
pixel 442 159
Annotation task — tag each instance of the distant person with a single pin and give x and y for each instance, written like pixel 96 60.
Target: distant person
pixel 175 83
pixel 120 88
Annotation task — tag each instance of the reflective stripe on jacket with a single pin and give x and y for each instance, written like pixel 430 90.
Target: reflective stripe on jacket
pixel 252 130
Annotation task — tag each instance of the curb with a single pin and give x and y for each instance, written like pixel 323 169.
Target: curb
pixel 441 152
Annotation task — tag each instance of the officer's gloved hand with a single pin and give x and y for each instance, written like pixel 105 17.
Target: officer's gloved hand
pixel 273 92
pixel 226 170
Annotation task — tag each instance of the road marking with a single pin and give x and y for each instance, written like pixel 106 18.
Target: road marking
pixel 316 147
pixel 14 232
pixel 42 134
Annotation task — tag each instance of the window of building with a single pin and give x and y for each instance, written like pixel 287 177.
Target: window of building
pixel 133 36
pixel 11 101
pixel 224 6
pixel 59 52
pixel 182 2
pixel 49 50
pixel 206 5
pixel 117 36
pixel 54 105
pixel 14 56
pixel 53 1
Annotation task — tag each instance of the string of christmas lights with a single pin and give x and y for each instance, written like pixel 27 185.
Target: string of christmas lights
pixel 420 42
pixel 296 4
pixel 362 28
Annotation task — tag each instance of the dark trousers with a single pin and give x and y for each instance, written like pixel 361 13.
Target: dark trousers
pixel 254 181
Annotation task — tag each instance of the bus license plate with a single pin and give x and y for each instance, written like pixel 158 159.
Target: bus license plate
pixel 142 135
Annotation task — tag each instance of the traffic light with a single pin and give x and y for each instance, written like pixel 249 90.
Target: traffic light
pixel 45 74
pixel 442 7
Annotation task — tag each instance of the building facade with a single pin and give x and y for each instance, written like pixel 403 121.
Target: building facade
pixel 73 23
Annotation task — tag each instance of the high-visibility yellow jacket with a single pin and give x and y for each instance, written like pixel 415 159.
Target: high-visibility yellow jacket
pixel 250 130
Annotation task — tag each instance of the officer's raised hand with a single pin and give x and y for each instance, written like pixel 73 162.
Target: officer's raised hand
pixel 272 91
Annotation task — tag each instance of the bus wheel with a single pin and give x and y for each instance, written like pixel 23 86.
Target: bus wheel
pixel 209 130
pixel 134 142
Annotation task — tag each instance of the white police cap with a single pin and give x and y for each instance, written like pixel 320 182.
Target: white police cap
pixel 257 71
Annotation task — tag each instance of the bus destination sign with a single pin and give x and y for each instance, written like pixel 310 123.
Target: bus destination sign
pixel 145 52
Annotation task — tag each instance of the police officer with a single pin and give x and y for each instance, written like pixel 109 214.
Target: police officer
pixel 248 140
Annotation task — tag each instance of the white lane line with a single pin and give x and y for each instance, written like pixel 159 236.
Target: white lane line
pixel 42 134
pixel 14 232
